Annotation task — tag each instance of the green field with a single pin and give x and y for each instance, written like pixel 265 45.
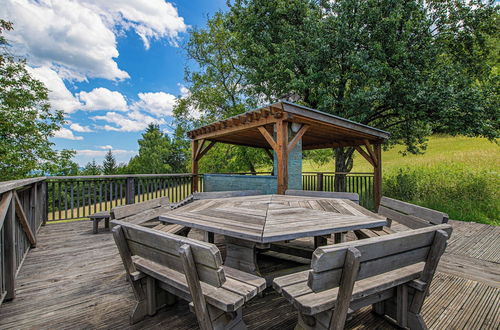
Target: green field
pixel 457 175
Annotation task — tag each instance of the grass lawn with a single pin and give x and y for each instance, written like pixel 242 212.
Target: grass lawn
pixel 457 175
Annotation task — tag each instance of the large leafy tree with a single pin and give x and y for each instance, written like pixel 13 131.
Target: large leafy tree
pixel 217 90
pixel 409 67
pixel 158 153
pixel 26 121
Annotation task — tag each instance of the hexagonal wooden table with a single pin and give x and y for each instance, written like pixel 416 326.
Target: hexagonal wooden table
pixel 253 222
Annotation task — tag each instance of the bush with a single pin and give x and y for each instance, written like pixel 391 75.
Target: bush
pixel 464 193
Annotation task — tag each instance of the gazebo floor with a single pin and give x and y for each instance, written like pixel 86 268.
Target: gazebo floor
pixel 75 279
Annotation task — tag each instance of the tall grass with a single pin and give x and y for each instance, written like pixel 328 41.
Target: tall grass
pixel 464 192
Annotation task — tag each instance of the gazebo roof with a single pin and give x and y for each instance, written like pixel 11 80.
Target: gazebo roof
pixel 324 130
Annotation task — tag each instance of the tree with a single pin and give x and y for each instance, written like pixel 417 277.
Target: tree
pixel 408 67
pixel 217 91
pixel 64 166
pixel 26 119
pixel 109 164
pixel 92 168
pixel 158 153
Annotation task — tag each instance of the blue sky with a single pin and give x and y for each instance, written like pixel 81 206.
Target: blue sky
pixel 113 67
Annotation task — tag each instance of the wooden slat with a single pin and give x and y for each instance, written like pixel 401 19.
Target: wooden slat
pixel 4 206
pixel 430 215
pixel 21 216
pixel 121 212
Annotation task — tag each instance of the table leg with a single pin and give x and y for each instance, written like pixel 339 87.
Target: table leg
pixel 208 237
pixel 339 237
pixel 95 225
pixel 106 223
pixel 320 241
pixel 241 255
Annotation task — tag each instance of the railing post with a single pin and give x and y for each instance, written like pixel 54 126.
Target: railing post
pixel 130 193
pixel 45 202
pixel 9 227
pixel 319 179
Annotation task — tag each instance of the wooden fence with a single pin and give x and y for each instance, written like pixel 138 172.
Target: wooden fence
pixel 80 196
pixel 360 183
pixel 22 212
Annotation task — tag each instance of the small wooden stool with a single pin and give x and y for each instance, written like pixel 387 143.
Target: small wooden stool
pixel 96 217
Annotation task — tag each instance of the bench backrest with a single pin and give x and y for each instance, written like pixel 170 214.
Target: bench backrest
pixel 163 249
pixel 326 194
pixel 125 211
pixel 225 194
pixel 378 255
pixel 410 215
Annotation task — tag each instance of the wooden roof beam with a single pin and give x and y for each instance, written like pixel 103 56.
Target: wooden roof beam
pixel 335 144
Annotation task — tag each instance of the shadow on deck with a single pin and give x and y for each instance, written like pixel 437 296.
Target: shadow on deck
pixel 75 279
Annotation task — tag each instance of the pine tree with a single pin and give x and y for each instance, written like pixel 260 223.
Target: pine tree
pixel 92 168
pixel 109 163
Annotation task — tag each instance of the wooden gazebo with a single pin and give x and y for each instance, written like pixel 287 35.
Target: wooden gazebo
pixel 280 126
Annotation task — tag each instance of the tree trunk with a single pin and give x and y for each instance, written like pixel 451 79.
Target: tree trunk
pixel 343 164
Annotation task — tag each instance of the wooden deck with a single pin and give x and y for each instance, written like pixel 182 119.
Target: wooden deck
pixel 75 279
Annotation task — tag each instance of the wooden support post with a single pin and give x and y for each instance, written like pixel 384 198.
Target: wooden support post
pixel 9 242
pixel 130 193
pixel 349 275
pixel 319 179
pixel 377 176
pixel 45 202
pixel 194 165
pixel 200 305
pixel 282 155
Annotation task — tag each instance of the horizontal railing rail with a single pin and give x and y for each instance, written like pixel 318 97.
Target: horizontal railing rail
pixel 76 197
pixel 357 182
pixel 22 212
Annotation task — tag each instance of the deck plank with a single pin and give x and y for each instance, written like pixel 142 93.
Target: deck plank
pixel 75 279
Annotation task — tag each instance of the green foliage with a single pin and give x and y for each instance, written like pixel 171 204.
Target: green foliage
pixel 92 168
pixel 109 163
pixel 158 153
pixel 409 67
pixel 464 193
pixel 26 121
pixel 217 91
pixel 64 166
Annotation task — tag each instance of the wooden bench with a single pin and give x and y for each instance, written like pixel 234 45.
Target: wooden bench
pixel 407 214
pixel 184 268
pixel 147 211
pixel 96 217
pixel 393 273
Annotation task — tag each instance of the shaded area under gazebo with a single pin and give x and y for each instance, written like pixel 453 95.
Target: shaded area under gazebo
pixel 284 128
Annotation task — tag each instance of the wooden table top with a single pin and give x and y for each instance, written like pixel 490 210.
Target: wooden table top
pixel 273 218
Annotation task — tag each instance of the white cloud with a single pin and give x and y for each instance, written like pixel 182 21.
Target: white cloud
pixel 103 99
pixel 66 35
pixel 77 38
pixel 79 128
pixel 134 121
pixel 83 156
pixel 102 153
pixel 106 147
pixel 151 19
pixel 64 133
pixel 60 97
pixel 159 104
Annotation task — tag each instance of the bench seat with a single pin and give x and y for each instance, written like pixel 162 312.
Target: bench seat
pixel 295 289
pixel 238 288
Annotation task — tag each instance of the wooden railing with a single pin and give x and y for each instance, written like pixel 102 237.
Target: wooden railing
pixel 75 197
pixel 360 183
pixel 22 212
